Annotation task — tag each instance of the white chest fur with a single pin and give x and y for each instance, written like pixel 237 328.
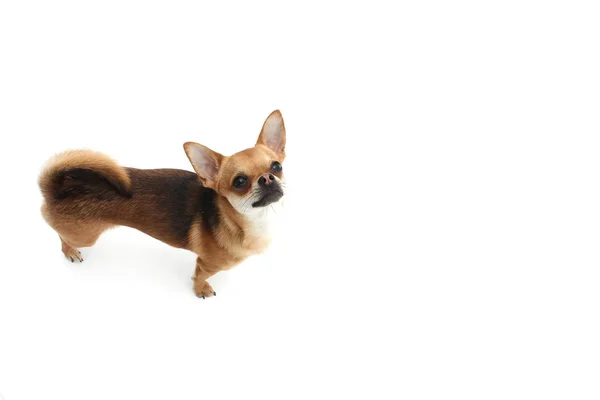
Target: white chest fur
pixel 262 225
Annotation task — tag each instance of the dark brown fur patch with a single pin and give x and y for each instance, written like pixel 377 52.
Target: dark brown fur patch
pixel 178 197
pixel 86 182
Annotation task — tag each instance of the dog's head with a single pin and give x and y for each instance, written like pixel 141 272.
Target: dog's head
pixel 250 179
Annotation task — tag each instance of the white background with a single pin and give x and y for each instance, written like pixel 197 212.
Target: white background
pixel 442 223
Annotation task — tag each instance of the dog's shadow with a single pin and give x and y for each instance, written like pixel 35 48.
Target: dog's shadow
pixel 125 253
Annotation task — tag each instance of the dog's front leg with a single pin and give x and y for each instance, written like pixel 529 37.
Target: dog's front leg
pixel 203 272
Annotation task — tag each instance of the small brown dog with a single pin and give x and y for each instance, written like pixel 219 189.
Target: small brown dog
pixel 223 213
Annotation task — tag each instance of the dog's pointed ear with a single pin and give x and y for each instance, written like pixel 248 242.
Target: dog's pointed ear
pixel 206 162
pixel 272 134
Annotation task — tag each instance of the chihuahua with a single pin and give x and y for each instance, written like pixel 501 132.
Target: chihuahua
pixel 223 212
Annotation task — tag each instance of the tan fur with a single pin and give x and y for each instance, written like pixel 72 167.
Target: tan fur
pixel 87 192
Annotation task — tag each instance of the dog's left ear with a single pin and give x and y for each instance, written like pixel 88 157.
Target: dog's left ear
pixel 206 162
pixel 272 134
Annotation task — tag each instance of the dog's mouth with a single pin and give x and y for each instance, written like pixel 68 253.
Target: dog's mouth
pixel 272 196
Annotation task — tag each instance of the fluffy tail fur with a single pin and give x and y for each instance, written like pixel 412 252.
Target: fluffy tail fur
pixel 75 173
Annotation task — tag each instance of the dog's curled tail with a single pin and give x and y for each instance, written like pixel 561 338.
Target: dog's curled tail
pixel 75 173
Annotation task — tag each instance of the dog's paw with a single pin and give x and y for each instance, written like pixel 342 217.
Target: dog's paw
pixel 73 255
pixel 203 289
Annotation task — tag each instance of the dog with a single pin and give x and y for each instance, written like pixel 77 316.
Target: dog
pixel 223 212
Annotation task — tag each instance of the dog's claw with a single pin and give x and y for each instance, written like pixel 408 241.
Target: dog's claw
pixel 72 259
pixel 203 289
pixel 214 293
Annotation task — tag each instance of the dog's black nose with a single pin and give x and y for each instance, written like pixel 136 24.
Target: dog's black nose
pixel 266 179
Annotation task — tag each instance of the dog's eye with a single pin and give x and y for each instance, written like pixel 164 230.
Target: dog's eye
pixel 240 182
pixel 276 167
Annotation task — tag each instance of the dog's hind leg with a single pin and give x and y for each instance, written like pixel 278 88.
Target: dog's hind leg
pixel 73 232
pixel 74 236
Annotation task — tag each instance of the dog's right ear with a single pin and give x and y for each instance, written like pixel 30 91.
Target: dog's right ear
pixel 206 162
pixel 272 134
